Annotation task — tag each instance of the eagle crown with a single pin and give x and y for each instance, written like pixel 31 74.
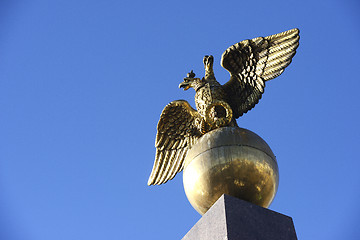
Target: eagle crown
pixel 192 82
pixel 196 83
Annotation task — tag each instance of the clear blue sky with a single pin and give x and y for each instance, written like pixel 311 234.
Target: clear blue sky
pixel 82 86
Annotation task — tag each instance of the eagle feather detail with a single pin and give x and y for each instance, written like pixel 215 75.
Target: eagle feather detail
pixel 176 132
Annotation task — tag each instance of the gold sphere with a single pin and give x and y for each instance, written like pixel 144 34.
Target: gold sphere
pixel 233 161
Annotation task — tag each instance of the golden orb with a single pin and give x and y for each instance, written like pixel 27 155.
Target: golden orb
pixel 233 161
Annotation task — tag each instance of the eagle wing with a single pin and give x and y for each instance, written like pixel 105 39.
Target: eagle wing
pixel 176 132
pixel 252 62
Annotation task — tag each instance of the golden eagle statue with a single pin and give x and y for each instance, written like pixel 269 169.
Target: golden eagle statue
pixel 251 63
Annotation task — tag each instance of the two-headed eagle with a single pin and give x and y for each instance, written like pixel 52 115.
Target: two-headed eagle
pixel 251 63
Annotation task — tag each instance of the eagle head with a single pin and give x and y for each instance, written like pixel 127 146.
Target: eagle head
pixel 191 82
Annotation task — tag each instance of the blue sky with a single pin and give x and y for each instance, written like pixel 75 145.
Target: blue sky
pixel 82 86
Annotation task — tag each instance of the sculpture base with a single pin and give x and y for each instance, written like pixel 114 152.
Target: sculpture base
pixel 231 218
pixel 233 161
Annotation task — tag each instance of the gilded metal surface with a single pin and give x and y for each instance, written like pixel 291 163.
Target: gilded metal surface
pixel 251 63
pixel 233 161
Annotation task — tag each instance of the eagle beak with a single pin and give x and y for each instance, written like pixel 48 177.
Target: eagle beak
pixel 184 85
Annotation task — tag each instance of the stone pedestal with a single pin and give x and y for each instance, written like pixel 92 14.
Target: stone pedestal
pixel 231 218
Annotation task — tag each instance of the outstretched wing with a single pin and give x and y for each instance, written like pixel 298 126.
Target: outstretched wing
pixel 176 132
pixel 252 62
